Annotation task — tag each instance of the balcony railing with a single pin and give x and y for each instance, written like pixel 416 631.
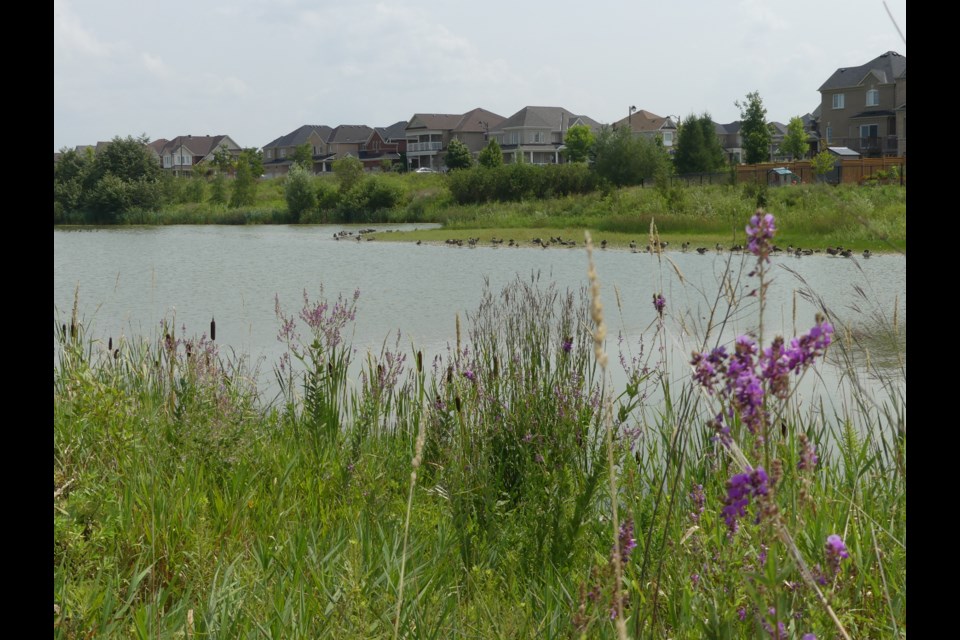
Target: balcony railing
pixel 424 146
pixel 869 145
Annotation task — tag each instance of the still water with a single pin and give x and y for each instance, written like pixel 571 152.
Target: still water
pixel 130 279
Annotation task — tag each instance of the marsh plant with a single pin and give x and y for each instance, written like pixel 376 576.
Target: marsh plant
pixel 505 487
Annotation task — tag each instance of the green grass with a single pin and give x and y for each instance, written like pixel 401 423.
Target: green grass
pixel 185 506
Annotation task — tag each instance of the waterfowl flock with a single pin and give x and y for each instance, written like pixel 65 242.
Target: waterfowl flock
pixel 559 241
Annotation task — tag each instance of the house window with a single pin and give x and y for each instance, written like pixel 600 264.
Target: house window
pixel 283 153
pixel 829 133
pixel 838 101
pixel 167 162
pixel 869 131
pixel 667 138
pixel 536 137
pixel 269 154
pixel 873 98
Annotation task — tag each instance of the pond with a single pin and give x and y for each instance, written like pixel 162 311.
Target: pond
pixel 129 279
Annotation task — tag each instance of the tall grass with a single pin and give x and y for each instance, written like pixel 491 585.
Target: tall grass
pixel 185 505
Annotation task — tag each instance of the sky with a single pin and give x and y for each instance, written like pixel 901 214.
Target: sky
pixel 258 69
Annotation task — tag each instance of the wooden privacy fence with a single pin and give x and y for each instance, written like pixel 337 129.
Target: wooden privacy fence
pixel 848 171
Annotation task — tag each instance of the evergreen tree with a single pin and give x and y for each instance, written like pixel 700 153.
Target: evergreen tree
pixel 491 156
pixel 697 149
pixel 458 155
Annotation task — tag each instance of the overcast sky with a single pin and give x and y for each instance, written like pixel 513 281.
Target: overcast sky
pixel 258 69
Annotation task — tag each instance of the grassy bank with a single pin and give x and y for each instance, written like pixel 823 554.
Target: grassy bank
pixel 813 216
pixel 472 496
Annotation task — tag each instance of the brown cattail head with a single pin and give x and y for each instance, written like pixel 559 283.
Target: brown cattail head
pixel 116 353
pixel 457 400
pixel 213 328
pixel 110 344
pixel 419 361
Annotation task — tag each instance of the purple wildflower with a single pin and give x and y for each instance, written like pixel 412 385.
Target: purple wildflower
pixel 699 499
pixel 742 613
pixel 627 542
pixel 707 367
pixel 567 345
pixel 836 550
pixel 740 488
pixel 761 231
pixel 659 302
pixel 694 579
pixel 808 456
pixel 808 636
pixel 470 375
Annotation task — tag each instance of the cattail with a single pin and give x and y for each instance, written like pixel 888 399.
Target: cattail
pixel 110 344
pixel 496 366
pixel 457 401
pixel 116 353
pixel 213 329
pixel 419 361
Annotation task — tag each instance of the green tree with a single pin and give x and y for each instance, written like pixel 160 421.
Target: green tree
pixel 491 156
pixel 245 185
pixel 303 156
pixel 697 148
pixel 458 155
pixel 623 159
pixel 795 140
pixel 218 189
pixel 578 142
pixel 123 176
pixel 255 160
pixel 299 192
pixel 69 176
pixel 349 171
pixel 223 160
pixel 822 164
pixel 753 128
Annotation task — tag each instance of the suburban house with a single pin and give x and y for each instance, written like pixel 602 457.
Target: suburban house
pixel 730 140
pixel 861 107
pixel 385 144
pixel 536 134
pixel 429 134
pixel 155 149
pixel 644 123
pixel 278 155
pixel 347 140
pixel 181 154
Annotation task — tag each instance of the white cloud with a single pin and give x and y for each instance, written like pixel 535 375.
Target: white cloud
pixel 155 65
pixel 70 37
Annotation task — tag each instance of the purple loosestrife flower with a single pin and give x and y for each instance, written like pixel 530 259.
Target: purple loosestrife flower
pixel 708 366
pixel 698 498
pixel 805 349
pixel 627 542
pixel 808 456
pixel 742 613
pixel 567 345
pixel 808 636
pixel 740 488
pixel 836 550
pixel 470 375
pixel 761 231
pixel 659 302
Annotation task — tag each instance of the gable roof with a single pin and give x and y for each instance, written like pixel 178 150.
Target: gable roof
pixel 434 121
pixel 196 145
pixel 643 120
pixel 396 131
pixel 726 129
pixel 885 68
pixel 553 118
pixel 350 134
pixel 477 121
pixel 300 135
